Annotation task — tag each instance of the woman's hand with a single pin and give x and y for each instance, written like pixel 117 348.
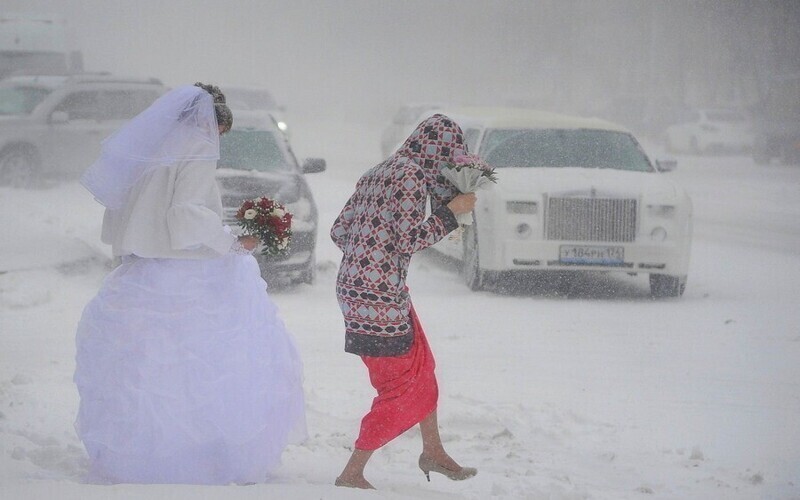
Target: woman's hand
pixel 462 204
pixel 249 242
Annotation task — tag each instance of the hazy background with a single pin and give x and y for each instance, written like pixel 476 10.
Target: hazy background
pixel 357 60
pixel 598 392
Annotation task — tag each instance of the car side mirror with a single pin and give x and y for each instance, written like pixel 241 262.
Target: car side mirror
pixel 59 117
pixel 666 164
pixel 313 165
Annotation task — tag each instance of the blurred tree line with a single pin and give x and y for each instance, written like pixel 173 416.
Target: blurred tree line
pixel 588 55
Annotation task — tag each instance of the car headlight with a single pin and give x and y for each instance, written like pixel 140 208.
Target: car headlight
pixel 522 207
pixel 282 126
pixel 661 210
pixel 300 209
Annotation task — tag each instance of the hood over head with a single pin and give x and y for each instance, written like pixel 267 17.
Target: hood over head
pixel 435 141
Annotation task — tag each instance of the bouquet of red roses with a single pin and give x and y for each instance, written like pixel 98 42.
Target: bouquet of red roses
pixel 268 221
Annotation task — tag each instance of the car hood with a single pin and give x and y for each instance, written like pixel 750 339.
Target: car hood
pixel 609 183
pixel 11 120
pixel 238 185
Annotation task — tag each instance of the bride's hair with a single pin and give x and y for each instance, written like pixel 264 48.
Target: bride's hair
pixel 223 112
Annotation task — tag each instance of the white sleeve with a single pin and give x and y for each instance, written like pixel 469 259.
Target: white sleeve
pixel 190 219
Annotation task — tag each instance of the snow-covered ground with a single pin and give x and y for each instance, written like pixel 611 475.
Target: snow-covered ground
pixel 601 393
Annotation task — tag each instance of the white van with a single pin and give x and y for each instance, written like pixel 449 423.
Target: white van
pixel 35 45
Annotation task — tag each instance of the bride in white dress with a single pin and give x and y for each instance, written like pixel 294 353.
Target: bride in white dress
pixel 186 373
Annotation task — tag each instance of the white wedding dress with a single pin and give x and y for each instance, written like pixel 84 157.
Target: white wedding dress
pixel 186 374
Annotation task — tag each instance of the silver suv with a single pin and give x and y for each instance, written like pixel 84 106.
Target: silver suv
pixel 51 127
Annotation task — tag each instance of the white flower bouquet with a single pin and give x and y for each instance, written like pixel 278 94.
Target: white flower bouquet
pixel 468 173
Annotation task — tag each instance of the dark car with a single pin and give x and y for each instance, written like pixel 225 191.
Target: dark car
pixel 256 98
pixel 257 160
pixel 777 122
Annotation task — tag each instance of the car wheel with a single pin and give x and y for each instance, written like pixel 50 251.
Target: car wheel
pixel 663 285
pixel 474 277
pixel 262 266
pixel 309 274
pixel 18 167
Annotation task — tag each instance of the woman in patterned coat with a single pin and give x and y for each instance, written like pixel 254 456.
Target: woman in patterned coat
pixel 380 227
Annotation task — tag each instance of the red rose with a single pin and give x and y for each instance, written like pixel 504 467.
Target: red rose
pixel 279 224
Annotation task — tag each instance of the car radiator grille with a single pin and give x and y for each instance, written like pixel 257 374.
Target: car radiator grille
pixel 591 219
pixel 229 216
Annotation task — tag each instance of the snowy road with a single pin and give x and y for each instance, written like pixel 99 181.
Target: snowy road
pixel 600 393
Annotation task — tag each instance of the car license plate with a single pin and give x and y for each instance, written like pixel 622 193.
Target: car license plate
pixel 591 254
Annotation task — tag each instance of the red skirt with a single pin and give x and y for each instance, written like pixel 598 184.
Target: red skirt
pixel 407 391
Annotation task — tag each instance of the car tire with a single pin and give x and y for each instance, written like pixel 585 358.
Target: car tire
pixel 19 167
pixel 664 285
pixel 309 274
pixel 474 277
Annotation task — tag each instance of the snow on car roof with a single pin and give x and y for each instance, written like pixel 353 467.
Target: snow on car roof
pixel 525 118
pixel 253 119
pixel 56 81
pixel 50 82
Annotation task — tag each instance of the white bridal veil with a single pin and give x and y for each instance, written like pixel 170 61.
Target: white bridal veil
pixel 180 125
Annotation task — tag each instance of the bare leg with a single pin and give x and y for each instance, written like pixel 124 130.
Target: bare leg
pixel 353 473
pixel 432 446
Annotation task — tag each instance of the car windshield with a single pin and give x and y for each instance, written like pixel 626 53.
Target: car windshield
pixel 554 148
pixel 20 100
pixel 252 150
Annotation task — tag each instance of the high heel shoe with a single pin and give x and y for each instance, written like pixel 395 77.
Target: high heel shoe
pixel 428 465
pixel 347 484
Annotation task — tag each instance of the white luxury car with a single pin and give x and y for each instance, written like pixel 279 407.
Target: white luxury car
pixel 573 194
pixel 711 131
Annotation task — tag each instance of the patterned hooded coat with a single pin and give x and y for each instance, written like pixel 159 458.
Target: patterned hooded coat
pixel 382 225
